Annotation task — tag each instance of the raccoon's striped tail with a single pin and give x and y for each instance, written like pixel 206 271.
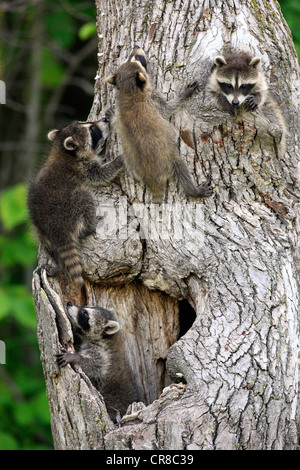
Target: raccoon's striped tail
pixel 68 255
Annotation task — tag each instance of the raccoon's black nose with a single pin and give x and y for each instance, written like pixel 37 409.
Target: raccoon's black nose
pixel 235 102
pixel 69 304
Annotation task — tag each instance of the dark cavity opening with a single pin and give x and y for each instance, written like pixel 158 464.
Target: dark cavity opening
pixel 187 316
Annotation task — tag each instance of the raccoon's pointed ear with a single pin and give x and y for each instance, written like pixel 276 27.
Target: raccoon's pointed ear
pixel 52 134
pixel 255 62
pixel 111 327
pixel 220 61
pixel 111 79
pixel 69 144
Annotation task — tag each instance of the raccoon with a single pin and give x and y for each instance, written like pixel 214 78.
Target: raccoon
pixel 148 139
pixel 60 201
pixel 237 86
pixel 236 82
pixel 100 354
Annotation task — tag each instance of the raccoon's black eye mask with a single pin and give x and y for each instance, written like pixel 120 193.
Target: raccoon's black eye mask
pixel 244 89
pixel 142 61
pixel 83 319
pixel 226 87
pixel 96 135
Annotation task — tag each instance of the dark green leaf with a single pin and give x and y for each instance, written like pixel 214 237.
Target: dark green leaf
pixel 62 28
pixel 52 70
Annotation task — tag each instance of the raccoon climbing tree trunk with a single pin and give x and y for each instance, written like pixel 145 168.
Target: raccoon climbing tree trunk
pixel 232 259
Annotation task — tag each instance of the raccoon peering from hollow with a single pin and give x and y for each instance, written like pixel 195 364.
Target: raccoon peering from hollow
pixel 100 354
pixel 237 86
pixel 236 82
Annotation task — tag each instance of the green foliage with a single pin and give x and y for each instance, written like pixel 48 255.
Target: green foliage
pixel 17 245
pixel 87 30
pixel 12 208
pixel 25 419
pixel 52 71
pixel 61 27
pixel 41 53
pixel 16 301
pixel 291 12
pixel 62 30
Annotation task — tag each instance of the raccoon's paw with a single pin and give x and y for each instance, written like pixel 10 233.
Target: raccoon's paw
pixel 190 89
pixel 64 358
pixel 251 103
pixel 204 189
pixel 192 85
pixel 52 270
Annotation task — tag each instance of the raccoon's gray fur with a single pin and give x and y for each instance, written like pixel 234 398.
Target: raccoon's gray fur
pixel 100 354
pixel 61 204
pixel 148 138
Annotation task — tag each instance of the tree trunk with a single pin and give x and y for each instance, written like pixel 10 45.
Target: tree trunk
pixel 233 257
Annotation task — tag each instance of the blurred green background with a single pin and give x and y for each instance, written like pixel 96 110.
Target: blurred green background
pixel 48 61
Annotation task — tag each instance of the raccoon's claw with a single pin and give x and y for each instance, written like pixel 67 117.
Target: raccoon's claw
pixel 205 189
pixel 64 358
pixel 52 270
pixel 193 85
pixel 190 88
pixel 251 104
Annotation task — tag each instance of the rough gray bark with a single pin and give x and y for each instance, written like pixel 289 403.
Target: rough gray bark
pixel 234 256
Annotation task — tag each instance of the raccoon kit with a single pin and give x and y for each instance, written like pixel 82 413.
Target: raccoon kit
pixel 236 82
pixel 100 354
pixel 237 86
pixel 60 201
pixel 148 139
